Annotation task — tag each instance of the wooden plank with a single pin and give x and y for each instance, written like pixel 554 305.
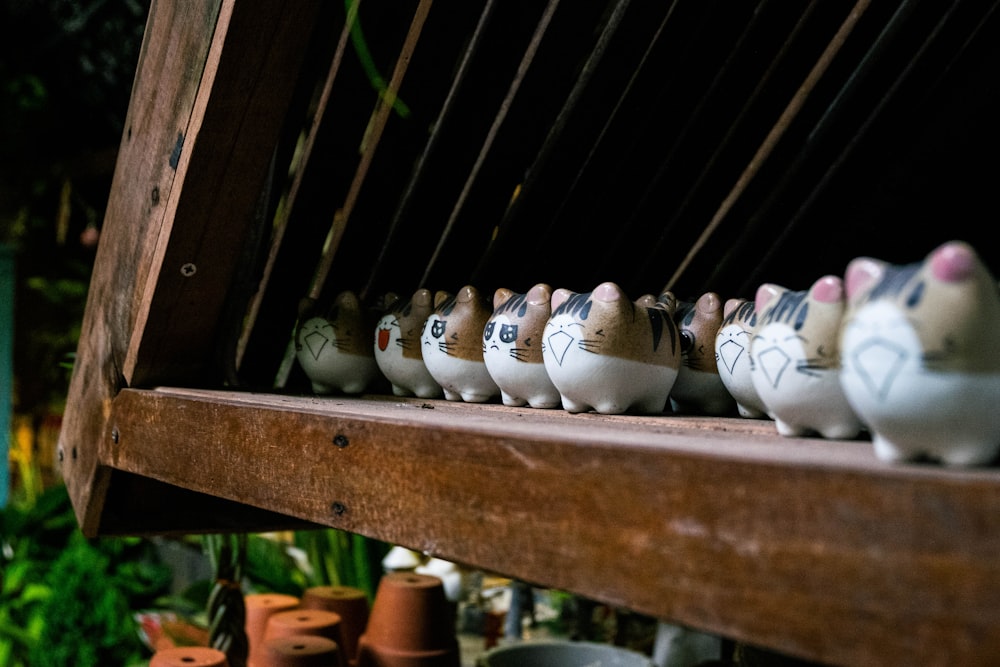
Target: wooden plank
pixel 808 546
pixel 209 97
pixel 250 73
pixel 174 47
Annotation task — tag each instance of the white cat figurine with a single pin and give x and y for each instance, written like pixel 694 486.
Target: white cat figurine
pixel 921 364
pixel 452 347
pixel 608 354
pixel 512 347
pixel 796 365
pixel 334 351
pixel 397 346
pixel 732 356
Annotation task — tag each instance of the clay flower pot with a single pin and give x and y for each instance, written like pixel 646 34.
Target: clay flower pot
pixel 301 651
pixel 189 656
pixel 411 624
pixel 259 608
pixel 297 622
pixel 350 603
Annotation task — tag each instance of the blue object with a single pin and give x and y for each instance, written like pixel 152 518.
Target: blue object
pixel 6 365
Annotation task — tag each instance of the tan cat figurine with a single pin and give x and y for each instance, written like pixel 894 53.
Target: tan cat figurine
pixel 452 347
pixel 609 354
pixel 698 388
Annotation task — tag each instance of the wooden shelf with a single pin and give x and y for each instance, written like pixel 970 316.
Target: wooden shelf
pixel 807 546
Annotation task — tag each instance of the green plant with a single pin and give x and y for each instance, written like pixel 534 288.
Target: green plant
pixel 66 599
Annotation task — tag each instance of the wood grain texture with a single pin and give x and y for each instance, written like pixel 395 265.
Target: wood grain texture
pixel 210 94
pixel 176 42
pixel 812 547
pixel 238 113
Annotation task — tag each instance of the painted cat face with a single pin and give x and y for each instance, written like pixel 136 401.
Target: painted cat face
pixel 943 310
pixel 400 328
pixel 797 330
pixel 732 343
pixel 698 324
pixel 605 322
pixel 515 329
pixel 341 328
pixel 455 328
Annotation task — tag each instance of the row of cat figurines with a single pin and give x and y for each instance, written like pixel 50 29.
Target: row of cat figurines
pixel 902 352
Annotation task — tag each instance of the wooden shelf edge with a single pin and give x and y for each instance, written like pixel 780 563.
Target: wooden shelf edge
pixel 809 547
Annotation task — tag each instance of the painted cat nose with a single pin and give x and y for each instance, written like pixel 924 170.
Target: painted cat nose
pixel 773 361
pixel 559 343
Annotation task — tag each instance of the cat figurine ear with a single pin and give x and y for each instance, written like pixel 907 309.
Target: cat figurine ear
pixel 796 365
pixel 608 354
pixel 732 356
pixel 397 346
pixel 334 349
pixel 512 347
pixel 452 346
pixel 920 362
pixel 699 388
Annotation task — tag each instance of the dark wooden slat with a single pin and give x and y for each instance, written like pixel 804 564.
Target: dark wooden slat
pixel 209 96
pixel 176 41
pixel 227 148
pixel 808 546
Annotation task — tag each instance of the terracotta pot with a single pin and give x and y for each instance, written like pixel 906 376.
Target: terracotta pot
pixel 301 651
pixel 189 656
pixel 294 622
pixel 259 608
pixel 352 606
pixel 411 624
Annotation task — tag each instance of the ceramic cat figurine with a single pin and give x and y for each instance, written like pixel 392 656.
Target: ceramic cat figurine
pixel 609 354
pixel 397 346
pixel 732 356
pixel 699 388
pixel 452 347
pixel 796 366
pixel 512 347
pixel 334 349
pixel 921 365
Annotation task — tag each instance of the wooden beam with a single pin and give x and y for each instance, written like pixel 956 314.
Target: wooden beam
pixel 808 546
pixel 209 95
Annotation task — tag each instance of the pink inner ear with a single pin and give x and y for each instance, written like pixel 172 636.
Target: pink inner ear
pixel 559 297
pixel 860 273
pixel 953 262
pixel 607 292
pixel 828 289
pixel 765 293
pixel 539 294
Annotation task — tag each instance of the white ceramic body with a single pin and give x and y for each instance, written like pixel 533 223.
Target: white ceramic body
pixel 603 383
pixel 329 369
pixel 521 382
pixel 732 352
pixel 911 410
pixel 801 400
pixel 409 375
pixel 461 379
